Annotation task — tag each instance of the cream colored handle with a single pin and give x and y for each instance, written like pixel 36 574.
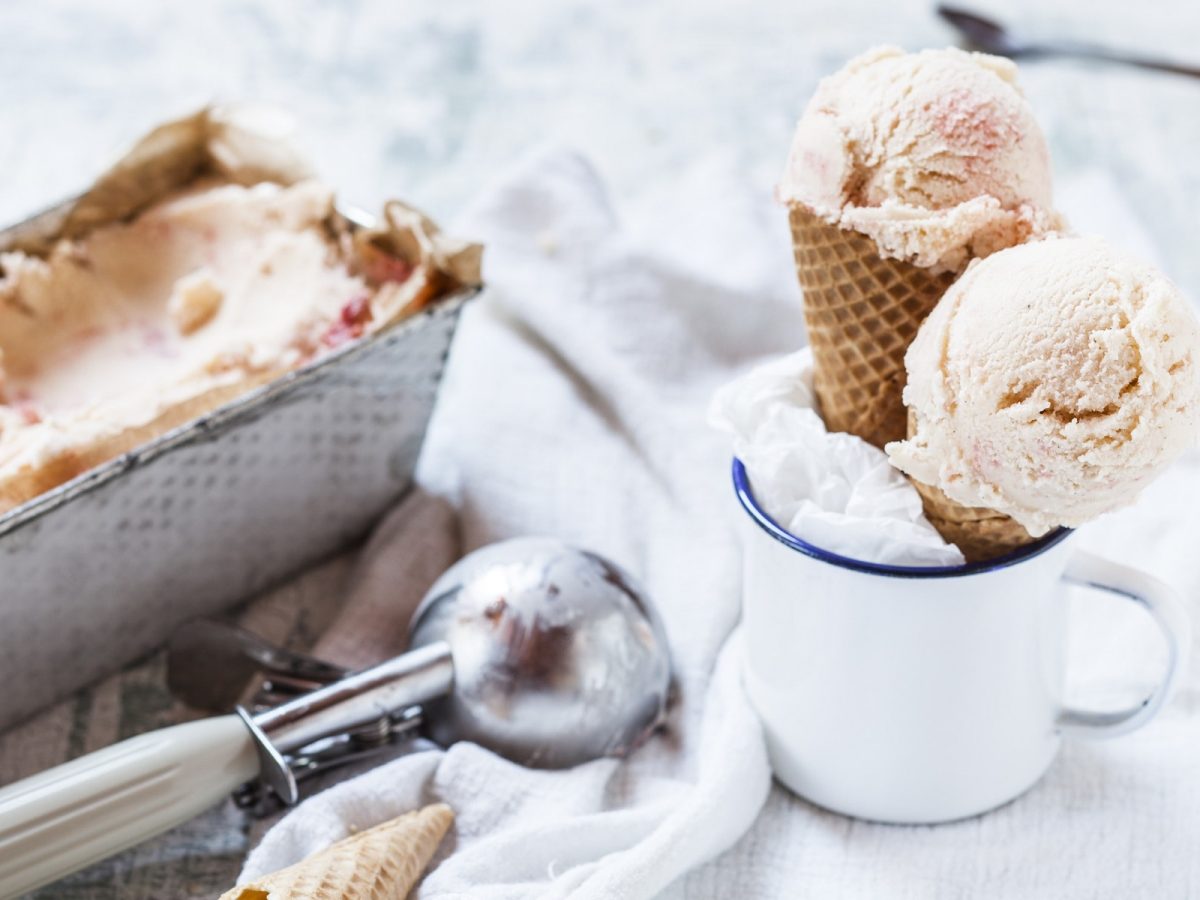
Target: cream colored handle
pixel 80 812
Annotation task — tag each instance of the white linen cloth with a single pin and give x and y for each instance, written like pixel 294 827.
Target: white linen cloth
pixel 575 406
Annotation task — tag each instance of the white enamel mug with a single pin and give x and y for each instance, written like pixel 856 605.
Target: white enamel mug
pixel 922 695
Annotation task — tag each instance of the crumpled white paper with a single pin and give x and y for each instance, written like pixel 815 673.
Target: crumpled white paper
pixel 831 489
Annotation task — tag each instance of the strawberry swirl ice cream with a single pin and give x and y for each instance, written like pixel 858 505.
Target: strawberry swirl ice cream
pixel 935 155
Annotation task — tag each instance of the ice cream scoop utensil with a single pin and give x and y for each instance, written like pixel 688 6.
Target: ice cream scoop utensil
pixel 83 811
pixel 559 657
pixel 992 37
pixel 543 652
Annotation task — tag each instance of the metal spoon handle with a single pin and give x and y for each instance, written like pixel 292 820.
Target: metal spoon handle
pixel 71 816
pixel 991 36
pixel 1093 51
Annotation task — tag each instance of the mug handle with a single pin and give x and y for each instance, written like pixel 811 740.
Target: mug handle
pixel 1164 606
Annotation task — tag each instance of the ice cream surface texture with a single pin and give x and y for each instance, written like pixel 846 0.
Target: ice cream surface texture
pixel 1051 383
pixel 138 326
pixel 207 261
pixel 214 280
pixel 935 155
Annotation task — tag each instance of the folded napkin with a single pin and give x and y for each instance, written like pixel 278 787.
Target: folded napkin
pixel 574 405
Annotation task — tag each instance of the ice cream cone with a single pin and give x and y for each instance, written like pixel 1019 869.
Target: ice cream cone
pixel 862 311
pixel 980 533
pixel 382 863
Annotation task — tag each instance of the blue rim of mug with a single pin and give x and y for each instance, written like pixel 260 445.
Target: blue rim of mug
pixel 741 486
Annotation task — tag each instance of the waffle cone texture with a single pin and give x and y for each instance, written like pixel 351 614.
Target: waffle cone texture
pixel 382 863
pixel 861 311
pixel 980 533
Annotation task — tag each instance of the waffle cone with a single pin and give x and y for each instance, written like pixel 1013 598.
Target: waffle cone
pixel 980 533
pixel 382 863
pixel 862 311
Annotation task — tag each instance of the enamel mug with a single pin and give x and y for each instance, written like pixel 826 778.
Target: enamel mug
pixel 922 695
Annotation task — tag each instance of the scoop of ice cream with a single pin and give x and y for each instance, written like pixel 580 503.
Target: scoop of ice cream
pixel 1051 383
pixel 935 155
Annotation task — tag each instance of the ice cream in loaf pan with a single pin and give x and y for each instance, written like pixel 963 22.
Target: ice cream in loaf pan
pixel 206 263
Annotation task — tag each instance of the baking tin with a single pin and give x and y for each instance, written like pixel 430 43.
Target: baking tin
pixel 99 570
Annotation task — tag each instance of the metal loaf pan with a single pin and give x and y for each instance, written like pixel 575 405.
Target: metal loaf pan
pixel 98 571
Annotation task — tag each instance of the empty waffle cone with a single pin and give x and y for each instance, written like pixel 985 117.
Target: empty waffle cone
pixel 382 863
pixel 980 533
pixel 862 311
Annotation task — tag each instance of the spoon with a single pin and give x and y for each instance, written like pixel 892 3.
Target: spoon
pixel 548 654
pixel 992 37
